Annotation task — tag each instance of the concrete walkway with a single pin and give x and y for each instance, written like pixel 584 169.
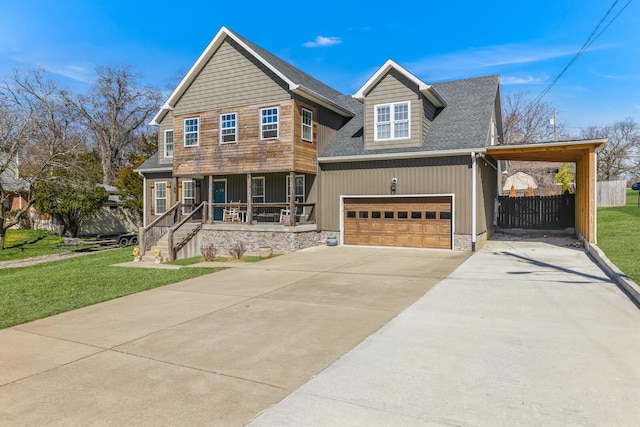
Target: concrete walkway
pixel 213 350
pixel 523 333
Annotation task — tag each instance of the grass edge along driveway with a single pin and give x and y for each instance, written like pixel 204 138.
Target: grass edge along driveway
pixel 34 292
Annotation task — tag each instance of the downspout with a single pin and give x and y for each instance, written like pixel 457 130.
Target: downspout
pixel 595 197
pixel 474 169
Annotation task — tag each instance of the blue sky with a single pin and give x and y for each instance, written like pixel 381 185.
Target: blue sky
pixel 342 43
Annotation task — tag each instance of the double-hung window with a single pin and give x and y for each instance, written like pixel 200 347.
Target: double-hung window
pixel 307 125
pixel 168 143
pixel 269 123
pixel 228 128
pixel 392 121
pixel 299 188
pixel 257 189
pixel 160 199
pixel 191 131
pixel 188 196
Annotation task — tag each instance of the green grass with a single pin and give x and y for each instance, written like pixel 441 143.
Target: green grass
pixel 197 259
pixel 22 244
pixel 619 235
pixel 30 293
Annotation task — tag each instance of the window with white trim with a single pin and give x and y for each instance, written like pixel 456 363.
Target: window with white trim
pixel 188 196
pixel 299 188
pixel 191 131
pixel 257 189
pixel 269 122
pixel 160 198
pixel 307 125
pixel 228 128
pixel 168 143
pixel 391 121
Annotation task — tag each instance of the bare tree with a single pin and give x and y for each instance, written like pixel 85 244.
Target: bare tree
pixel 525 121
pixel 619 158
pixel 114 111
pixel 37 133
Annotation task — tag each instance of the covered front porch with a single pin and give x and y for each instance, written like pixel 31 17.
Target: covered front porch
pixel 230 206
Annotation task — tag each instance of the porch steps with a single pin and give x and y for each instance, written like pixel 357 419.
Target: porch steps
pixel 163 244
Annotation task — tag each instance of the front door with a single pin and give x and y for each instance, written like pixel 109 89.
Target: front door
pixel 219 196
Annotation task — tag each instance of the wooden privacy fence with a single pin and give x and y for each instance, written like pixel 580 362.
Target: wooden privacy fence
pixel 537 212
pixel 612 193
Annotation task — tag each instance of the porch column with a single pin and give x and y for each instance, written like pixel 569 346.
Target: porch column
pixel 174 190
pixel 292 199
pixel 210 196
pixel 249 200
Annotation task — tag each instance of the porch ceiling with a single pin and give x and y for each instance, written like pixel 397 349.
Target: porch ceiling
pixel 562 151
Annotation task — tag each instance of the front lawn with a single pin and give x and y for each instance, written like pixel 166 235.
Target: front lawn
pixel 30 293
pixel 619 235
pixel 20 244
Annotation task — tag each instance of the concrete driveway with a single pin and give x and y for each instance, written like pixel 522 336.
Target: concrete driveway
pixel 214 350
pixel 524 333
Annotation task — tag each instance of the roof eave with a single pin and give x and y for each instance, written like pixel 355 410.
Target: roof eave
pixel 321 100
pixel 402 155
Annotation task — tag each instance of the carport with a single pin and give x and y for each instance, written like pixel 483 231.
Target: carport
pixel 580 152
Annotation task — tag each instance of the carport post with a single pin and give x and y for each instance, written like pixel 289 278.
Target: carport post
pixel 474 170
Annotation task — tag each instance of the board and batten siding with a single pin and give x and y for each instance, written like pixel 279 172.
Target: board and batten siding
pixel 231 78
pixel 436 175
pixel 393 87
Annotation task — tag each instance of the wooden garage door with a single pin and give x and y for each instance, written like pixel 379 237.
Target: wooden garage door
pixel 412 222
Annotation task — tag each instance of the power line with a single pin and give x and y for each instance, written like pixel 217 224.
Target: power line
pixel 592 38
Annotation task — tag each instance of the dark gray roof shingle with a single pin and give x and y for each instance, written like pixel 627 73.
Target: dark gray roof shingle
pixel 463 124
pixel 151 165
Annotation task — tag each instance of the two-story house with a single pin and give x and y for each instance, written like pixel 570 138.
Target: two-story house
pixel 254 150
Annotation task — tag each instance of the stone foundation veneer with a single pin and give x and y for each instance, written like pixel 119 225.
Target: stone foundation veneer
pixel 281 239
pixel 284 239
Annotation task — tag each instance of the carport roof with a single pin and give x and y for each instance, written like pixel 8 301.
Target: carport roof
pixel 557 151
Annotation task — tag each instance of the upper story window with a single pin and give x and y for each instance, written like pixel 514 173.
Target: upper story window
pixel 392 121
pixel 269 123
pixel 191 131
pixel 228 128
pixel 307 125
pixel 168 143
pixel 160 199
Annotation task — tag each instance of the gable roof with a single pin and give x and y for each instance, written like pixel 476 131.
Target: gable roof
pixel 297 81
pixel 461 127
pixel 427 90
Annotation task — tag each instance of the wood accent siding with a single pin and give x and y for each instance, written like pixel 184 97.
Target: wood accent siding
pixel 393 87
pixel 249 154
pixel 440 175
pixel 305 153
pixel 231 78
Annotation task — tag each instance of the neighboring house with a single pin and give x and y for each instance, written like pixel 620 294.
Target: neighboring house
pixel 16 188
pixel 400 163
pixel 112 218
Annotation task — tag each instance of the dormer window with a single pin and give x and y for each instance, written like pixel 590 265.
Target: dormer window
pixel 392 121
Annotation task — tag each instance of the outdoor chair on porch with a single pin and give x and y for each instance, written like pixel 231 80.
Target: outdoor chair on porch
pixel 230 215
pixel 284 215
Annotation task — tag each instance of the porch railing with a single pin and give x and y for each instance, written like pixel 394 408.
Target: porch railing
pixel 149 235
pixel 183 231
pixel 264 213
